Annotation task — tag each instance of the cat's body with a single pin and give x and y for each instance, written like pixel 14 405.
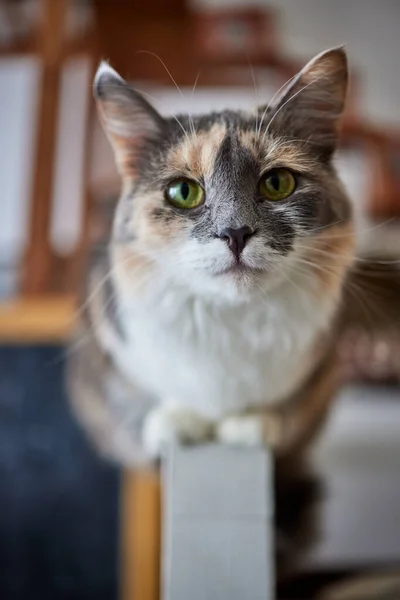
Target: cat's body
pixel 217 320
pixel 234 356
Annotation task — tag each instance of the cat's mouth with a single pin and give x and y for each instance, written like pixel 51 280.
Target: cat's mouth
pixel 238 269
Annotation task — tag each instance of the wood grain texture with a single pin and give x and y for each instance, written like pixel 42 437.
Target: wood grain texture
pixel 50 35
pixel 77 263
pixel 141 536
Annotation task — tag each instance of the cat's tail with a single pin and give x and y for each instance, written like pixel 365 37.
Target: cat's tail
pixel 369 323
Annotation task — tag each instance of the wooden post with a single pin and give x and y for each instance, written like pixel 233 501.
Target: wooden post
pixel 51 37
pixel 141 536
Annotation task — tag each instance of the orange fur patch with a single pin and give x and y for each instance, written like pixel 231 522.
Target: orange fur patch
pixel 273 152
pixel 131 268
pixel 146 226
pixel 195 156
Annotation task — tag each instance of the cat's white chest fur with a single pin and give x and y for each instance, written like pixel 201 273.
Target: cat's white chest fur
pixel 217 360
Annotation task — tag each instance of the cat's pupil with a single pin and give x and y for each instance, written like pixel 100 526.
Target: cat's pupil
pixel 275 182
pixel 185 189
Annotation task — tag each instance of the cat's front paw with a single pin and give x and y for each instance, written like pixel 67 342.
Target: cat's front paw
pixel 240 431
pixel 165 426
pixel 249 430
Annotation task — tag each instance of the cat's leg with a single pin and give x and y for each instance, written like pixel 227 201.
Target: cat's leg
pixel 289 426
pixel 123 423
pixel 114 427
pixel 169 423
pixel 251 429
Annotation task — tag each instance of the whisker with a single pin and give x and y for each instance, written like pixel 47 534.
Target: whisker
pixel 97 289
pixel 271 102
pixel 193 128
pixel 309 232
pixel 165 67
pixel 154 99
pixel 255 88
pixel 357 259
pixel 301 290
pixel 289 100
pixel 288 140
pixel 355 289
pixel 172 79
pixel 95 325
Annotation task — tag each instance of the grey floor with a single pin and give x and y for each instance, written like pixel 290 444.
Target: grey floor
pixel 58 502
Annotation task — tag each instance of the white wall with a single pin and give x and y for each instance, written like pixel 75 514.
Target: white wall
pixel 18 93
pixel 369 28
pixel 68 185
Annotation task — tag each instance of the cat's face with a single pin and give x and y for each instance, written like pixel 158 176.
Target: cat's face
pixel 228 203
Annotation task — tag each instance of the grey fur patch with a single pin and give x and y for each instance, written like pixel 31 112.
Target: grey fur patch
pixel 233 199
pixel 112 308
pixel 123 231
pixel 106 294
pixel 231 192
pixel 163 214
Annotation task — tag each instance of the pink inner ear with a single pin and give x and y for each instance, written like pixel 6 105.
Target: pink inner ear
pixel 127 122
pixel 122 120
pixel 127 153
pixel 324 75
pixel 313 103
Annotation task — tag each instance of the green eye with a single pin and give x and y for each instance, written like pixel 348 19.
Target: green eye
pixel 184 193
pixel 277 184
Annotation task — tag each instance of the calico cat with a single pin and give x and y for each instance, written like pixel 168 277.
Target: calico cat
pixel 212 313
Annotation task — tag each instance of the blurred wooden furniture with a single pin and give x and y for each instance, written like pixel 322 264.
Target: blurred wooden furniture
pixel 41 320
pixel 50 46
pixel 50 41
pixel 53 49
pixel 141 536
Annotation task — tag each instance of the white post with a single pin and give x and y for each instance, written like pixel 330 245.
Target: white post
pixel 218 524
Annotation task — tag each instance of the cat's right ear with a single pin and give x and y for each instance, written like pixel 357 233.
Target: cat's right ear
pixel 128 119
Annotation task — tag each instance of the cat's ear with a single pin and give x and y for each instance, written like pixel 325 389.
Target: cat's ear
pixel 128 119
pixel 312 104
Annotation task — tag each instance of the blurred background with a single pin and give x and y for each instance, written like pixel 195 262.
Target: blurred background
pixel 59 505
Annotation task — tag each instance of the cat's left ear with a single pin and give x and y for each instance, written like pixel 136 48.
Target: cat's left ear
pixel 128 119
pixel 313 102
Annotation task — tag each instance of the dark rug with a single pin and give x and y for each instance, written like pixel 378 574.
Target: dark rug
pixel 58 501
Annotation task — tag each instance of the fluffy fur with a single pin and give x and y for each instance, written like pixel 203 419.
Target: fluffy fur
pixel 201 343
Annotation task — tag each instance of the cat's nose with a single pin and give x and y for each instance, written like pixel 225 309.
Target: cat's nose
pixel 236 238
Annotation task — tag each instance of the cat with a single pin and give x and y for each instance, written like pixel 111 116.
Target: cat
pixel 212 313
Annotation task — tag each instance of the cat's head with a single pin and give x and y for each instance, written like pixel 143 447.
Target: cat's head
pixel 227 203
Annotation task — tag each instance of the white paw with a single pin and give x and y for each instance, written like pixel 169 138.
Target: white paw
pixel 166 426
pixel 242 430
